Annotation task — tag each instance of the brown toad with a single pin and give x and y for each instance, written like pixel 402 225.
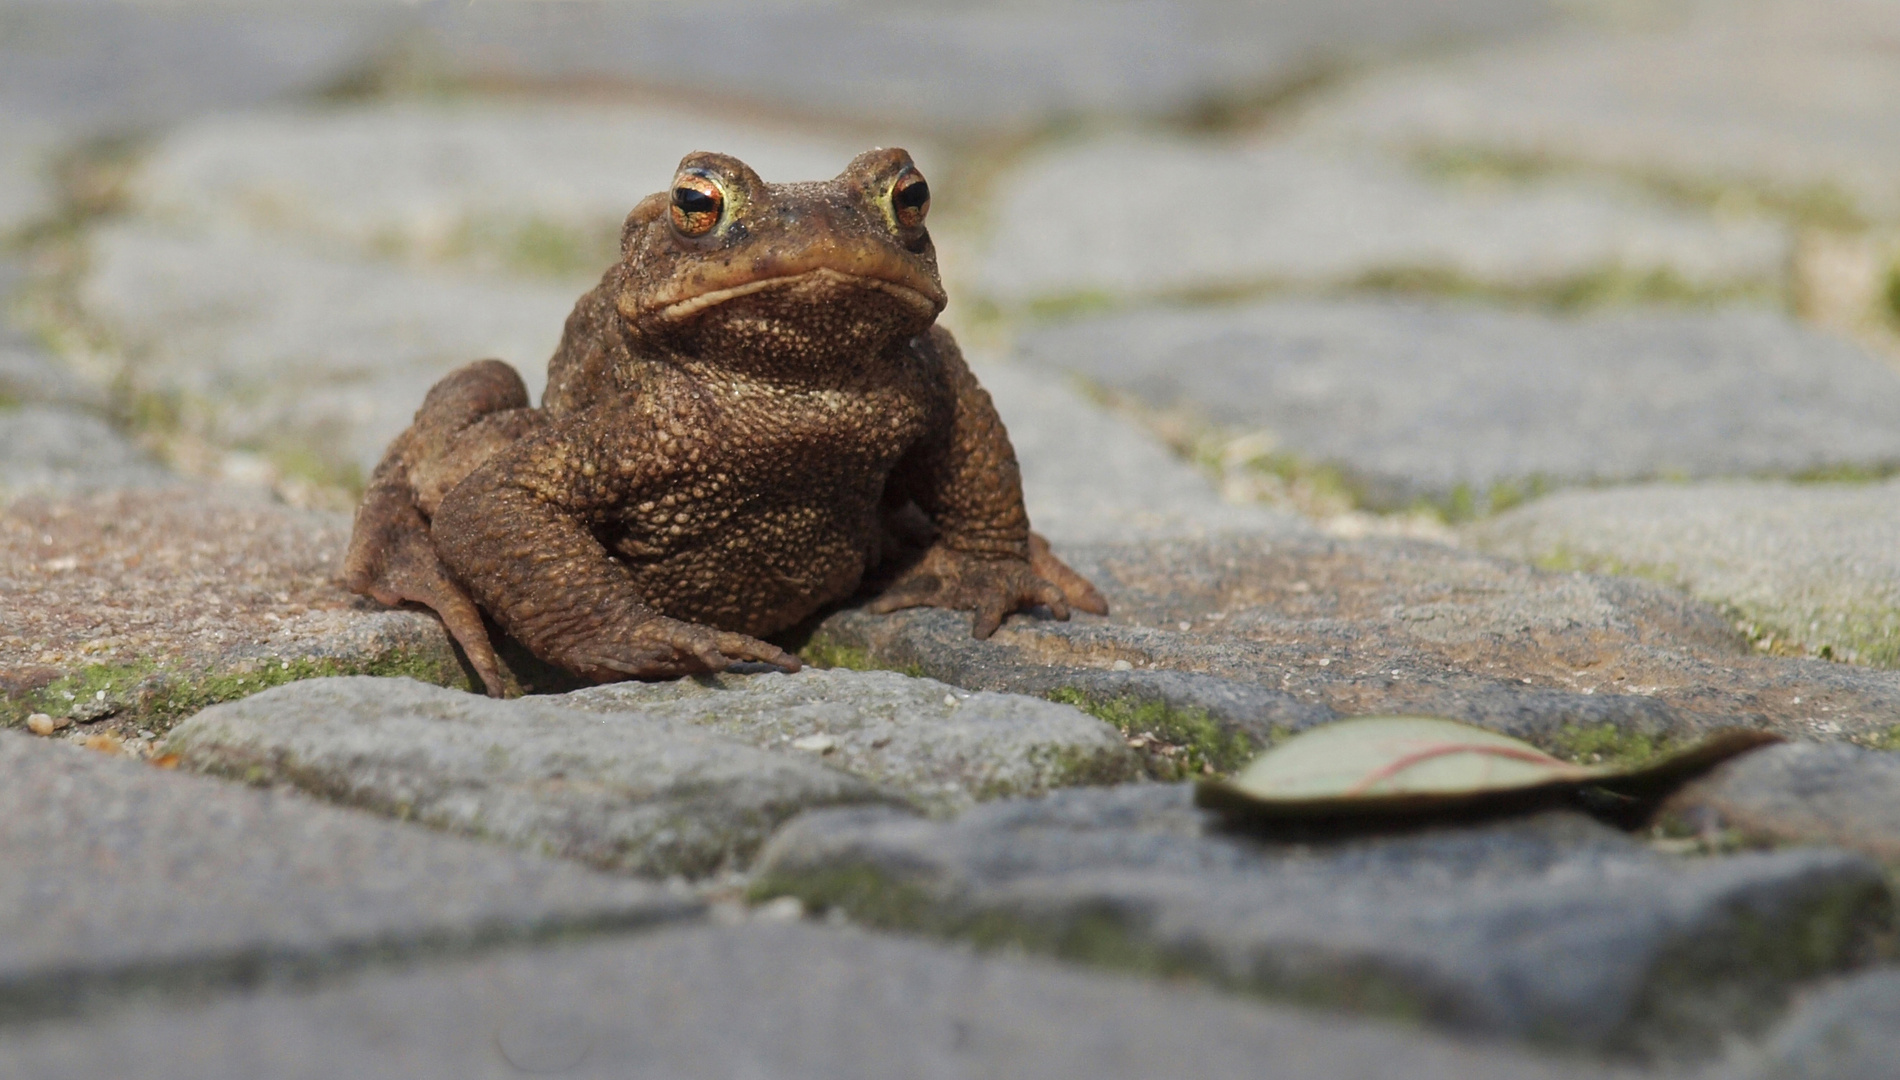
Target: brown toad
pixel 751 412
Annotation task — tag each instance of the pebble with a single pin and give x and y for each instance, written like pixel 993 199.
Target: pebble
pixel 105 744
pixel 817 744
pixel 41 724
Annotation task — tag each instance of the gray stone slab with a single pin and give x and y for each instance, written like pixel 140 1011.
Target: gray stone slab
pixel 1800 793
pixel 942 747
pixel 117 65
pixel 1218 647
pixel 149 604
pixel 1847 1031
pixel 788 1002
pixel 116 877
pixel 267 348
pixel 1794 98
pixel 1814 569
pixel 619 790
pixel 971 66
pixel 1475 930
pixel 28 375
pixel 51 449
pixel 1306 216
pixel 1091 476
pixel 1418 400
pixel 519 185
pixel 27 147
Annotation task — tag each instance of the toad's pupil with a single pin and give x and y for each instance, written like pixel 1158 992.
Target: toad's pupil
pixel 694 201
pixel 913 195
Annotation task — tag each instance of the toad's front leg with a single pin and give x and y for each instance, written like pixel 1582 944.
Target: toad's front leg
pixel 516 534
pixel 966 480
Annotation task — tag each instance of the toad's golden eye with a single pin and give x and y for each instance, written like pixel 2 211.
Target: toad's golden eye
pixel 697 202
pixel 910 198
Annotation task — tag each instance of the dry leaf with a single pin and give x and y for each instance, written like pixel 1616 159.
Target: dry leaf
pixel 1417 766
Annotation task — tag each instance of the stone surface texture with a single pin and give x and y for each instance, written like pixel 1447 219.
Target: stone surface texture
pixel 1265 635
pixel 942 747
pixel 102 67
pixel 116 877
pixel 967 68
pixel 617 790
pixel 29 376
pixel 1460 928
pixel 495 184
pixel 1840 1032
pixel 1310 216
pixel 1813 568
pixel 687 777
pixel 1801 793
pixel 1790 97
pixel 27 146
pixel 1090 476
pixel 1414 399
pixel 270 349
pixel 790 1002
pixel 50 449
pixel 152 599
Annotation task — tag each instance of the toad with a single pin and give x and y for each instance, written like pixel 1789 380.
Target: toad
pixel 753 414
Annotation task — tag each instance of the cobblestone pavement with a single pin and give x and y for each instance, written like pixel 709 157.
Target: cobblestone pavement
pixel 1531 363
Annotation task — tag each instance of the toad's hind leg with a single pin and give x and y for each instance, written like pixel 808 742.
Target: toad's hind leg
pixel 468 416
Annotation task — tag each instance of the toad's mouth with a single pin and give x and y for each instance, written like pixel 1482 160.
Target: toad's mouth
pixel 925 304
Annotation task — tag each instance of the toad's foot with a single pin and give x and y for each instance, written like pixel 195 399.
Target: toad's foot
pixel 991 587
pixel 662 648
pixel 1081 595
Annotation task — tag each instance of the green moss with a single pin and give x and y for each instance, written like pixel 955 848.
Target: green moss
pixel 859 891
pixel 1104 935
pixel 1565 560
pixel 149 411
pixel 1066 766
pixel 1465 503
pixel 1882 740
pixel 156 696
pixel 62 695
pixel 1736 981
pixel 827 652
pixel 1820 205
pixel 303 462
pixel 1507 494
pixel 1603 287
pixel 1843 473
pixel 1590 290
pixel 537 246
pixel 1072 305
pixel 1841 630
pixel 1322 480
pixel 1183 742
pixel 871 898
pixel 1605 744
pixel 554 250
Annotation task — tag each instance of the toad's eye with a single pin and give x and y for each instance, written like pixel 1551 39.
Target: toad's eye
pixel 697 202
pixel 910 198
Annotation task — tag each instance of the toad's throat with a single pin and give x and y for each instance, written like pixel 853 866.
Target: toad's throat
pixel 681 310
